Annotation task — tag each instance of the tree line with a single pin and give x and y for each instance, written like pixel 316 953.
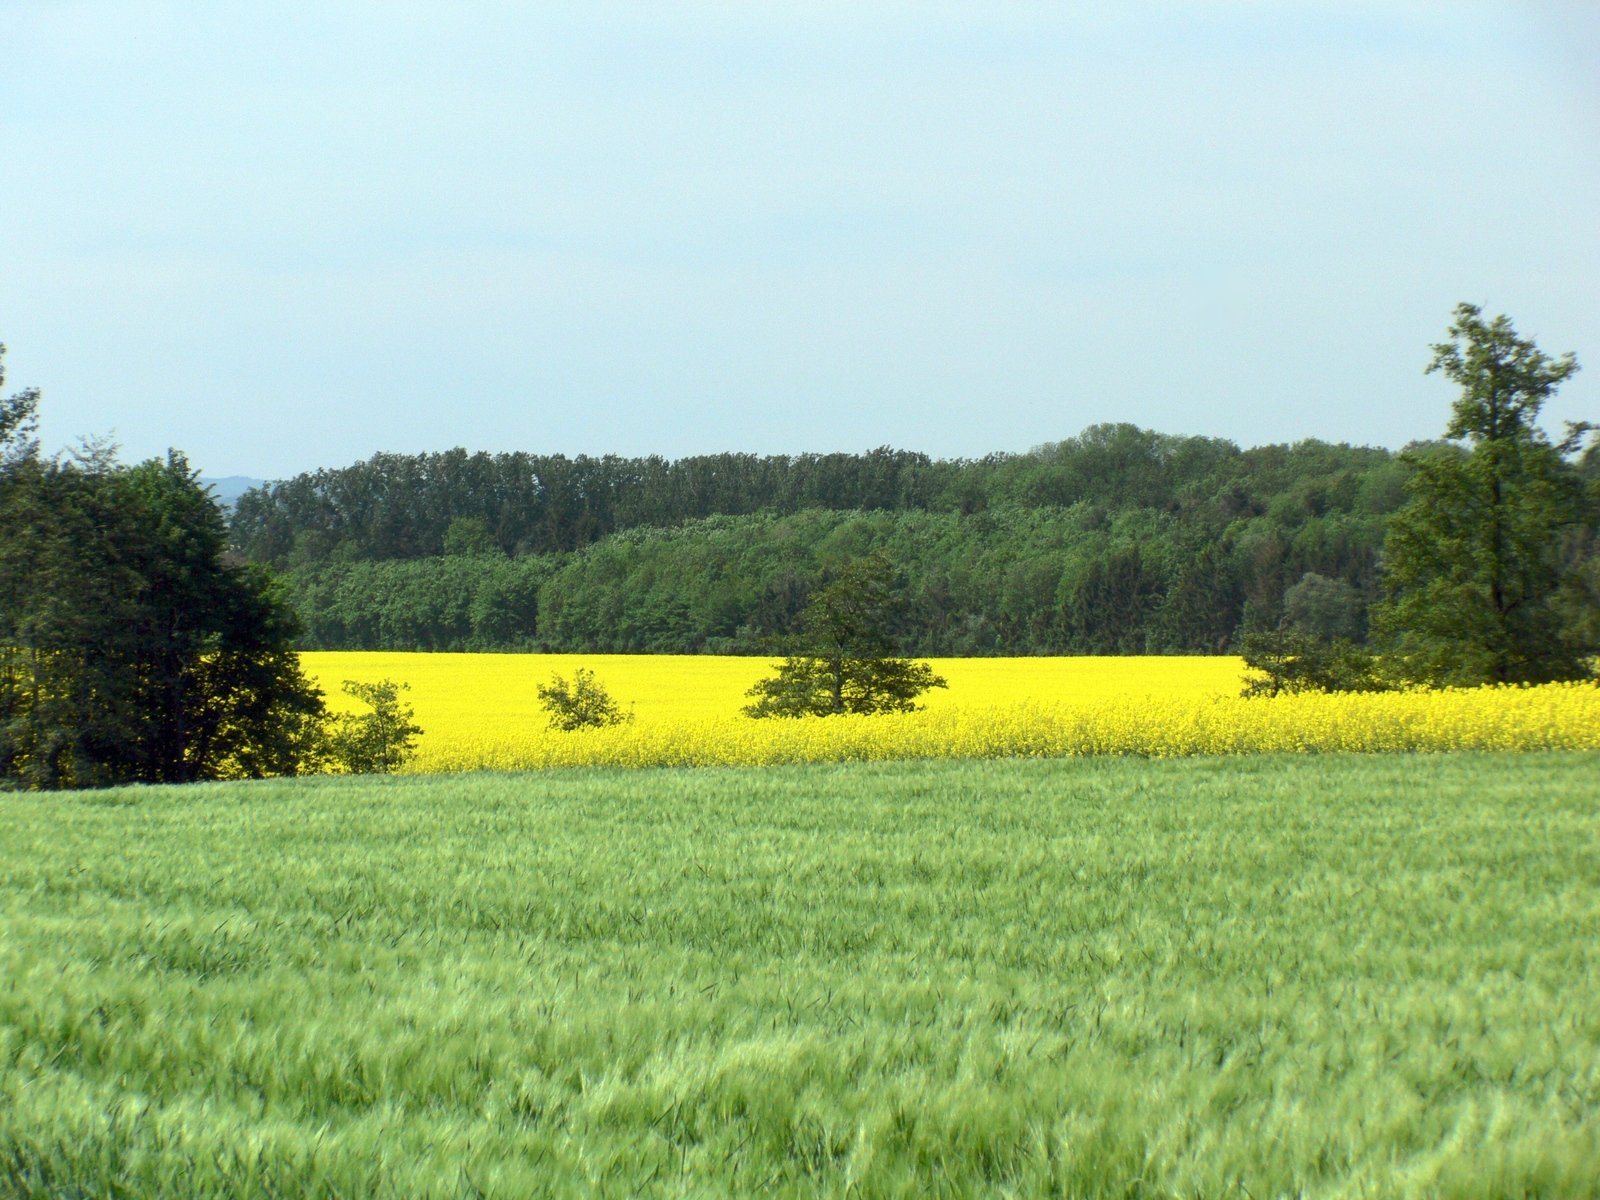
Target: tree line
pixel 136 646
pixel 397 506
pixel 1021 581
pixel 1120 540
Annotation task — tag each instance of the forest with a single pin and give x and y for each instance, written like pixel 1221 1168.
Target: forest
pixel 1118 540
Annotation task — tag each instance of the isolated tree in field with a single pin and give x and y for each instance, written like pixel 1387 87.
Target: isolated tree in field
pixel 1474 569
pixel 1314 648
pixel 846 662
pixel 583 703
pixel 1289 661
pixel 379 740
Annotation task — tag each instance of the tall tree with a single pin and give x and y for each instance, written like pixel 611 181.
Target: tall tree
pixel 1473 564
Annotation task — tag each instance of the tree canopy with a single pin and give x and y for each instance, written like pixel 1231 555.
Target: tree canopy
pixel 131 648
pixel 845 661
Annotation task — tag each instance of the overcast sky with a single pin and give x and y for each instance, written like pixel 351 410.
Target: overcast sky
pixel 281 237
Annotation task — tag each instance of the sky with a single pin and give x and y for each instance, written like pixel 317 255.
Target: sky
pixel 284 237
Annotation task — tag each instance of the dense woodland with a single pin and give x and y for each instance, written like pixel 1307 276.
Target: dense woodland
pixel 1120 540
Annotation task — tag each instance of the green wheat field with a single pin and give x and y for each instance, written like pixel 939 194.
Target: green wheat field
pixel 1310 976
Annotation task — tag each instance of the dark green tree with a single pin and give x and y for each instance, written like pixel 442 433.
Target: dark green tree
pixel 1330 609
pixel 1289 661
pixel 137 653
pixel 847 661
pixel 469 536
pixel 131 649
pixel 1473 565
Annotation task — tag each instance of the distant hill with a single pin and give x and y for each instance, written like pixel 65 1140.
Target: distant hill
pixel 230 487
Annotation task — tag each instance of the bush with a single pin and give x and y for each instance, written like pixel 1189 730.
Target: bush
pixel 376 742
pixel 582 704
pixel 1291 661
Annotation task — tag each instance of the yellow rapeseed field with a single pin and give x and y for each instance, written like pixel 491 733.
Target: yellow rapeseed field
pixel 481 712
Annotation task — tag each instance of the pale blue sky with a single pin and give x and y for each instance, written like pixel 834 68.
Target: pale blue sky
pixel 288 236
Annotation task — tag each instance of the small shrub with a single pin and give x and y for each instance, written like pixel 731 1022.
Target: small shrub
pixel 582 704
pixel 376 742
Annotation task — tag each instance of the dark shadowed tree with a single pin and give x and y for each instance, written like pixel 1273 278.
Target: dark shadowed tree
pixel 131 650
pixel 1290 661
pixel 1330 609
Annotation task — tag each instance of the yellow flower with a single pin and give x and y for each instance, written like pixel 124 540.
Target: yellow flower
pixel 482 712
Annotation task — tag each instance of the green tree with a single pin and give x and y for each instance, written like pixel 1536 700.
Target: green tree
pixel 135 652
pixel 469 536
pixel 1473 564
pixel 1330 609
pixel 131 648
pixel 847 661
pixel 377 741
pixel 583 703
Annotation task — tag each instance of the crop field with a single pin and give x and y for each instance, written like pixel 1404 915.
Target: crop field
pixel 1283 975
pixel 481 711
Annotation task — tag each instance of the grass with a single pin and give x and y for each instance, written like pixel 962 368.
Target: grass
pixel 1315 976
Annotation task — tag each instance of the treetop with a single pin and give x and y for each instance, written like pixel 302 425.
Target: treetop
pixel 1504 379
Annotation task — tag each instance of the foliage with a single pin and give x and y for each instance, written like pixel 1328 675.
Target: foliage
pixel 978 979
pixel 453 603
pixel 1474 569
pixel 1330 609
pixel 469 536
pixel 131 648
pixel 403 506
pixel 847 664
pixel 815 687
pixel 1288 661
pixel 379 740
pixel 1119 540
pixel 582 704
pixel 19 420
